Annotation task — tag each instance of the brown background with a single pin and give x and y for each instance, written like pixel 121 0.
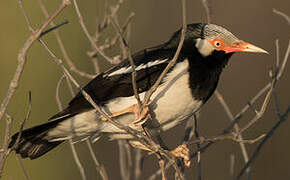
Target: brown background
pixel 155 21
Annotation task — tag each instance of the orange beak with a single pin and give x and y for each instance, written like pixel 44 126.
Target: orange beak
pixel 244 47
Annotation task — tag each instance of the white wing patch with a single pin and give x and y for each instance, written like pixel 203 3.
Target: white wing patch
pixel 125 70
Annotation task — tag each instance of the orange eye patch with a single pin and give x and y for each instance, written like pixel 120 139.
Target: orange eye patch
pixel 217 43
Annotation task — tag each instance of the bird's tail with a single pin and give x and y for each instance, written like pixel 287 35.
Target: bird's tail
pixel 33 142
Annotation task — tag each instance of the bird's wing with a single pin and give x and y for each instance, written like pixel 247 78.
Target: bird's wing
pixel 117 82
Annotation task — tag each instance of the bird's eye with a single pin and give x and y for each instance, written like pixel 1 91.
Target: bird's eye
pixel 217 44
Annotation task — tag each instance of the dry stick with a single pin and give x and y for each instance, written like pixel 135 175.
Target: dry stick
pixel 77 160
pixel 88 34
pixel 5 145
pixel 267 99
pixel 128 53
pixel 100 168
pixel 57 96
pixel 129 156
pixel 49 20
pixel 124 161
pixel 26 17
pixel 226 130
pixel 208 10
pixel 269 134
pixel 114 40
pixel 138 156
pixel 6 151
pixel 198 147
pixel 229 136
pixel 24 121
pixel 236 126
pixel 260 113
pixel 63 50
pixel 220 97
pixel 22 57
pixel 75 155
pixel 25 173
pixel 281 118
pixel 232 166
pixel 173 61
pixel 286 17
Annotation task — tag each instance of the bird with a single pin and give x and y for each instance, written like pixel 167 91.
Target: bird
pixel 186 87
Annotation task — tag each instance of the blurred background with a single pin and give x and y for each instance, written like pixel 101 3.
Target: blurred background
pixel 154 23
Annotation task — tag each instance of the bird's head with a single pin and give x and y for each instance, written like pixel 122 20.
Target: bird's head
pixel 211 40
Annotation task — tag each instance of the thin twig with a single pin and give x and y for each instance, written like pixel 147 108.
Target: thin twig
pixel 198 148
pixel 236 126
pixel 57 96
pixel 22 57
pixel 25 173
pixel 6 151
pixel 124 164
pixel 100 168
pixel 173 61
pixel 286 17
pixel 208 9
pixel 138 170
pixel 128 53
pixel 269 134
pixel 77 160
pixel 24 121
pixel 68 60
pixel 232 166
pixel 81 20
pixel 26 17
pixel 125 27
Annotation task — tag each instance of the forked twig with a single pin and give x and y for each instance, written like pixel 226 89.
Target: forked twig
pixel 22 57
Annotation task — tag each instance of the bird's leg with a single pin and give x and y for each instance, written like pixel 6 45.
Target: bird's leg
pixel 142 114
pixel 183 152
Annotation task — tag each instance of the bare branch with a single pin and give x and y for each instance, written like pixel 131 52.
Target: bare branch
pixel 128 53
pixel 236 126
pixel 232 166
pixel 269 134
pixel 68 60
pixel 286 17
pixel 100 168
pixel 22 57
pixel 138 156
pixel 25 173
pixel 77 160
pixel 208 9
pixel 6 151
pixel 173 61
pixel 88 34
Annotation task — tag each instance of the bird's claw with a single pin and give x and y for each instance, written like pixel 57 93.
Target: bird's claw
pixel 141 118
pixel 183 152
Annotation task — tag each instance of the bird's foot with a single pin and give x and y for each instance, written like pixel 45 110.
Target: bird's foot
pixel 183 152
pixel 141 115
